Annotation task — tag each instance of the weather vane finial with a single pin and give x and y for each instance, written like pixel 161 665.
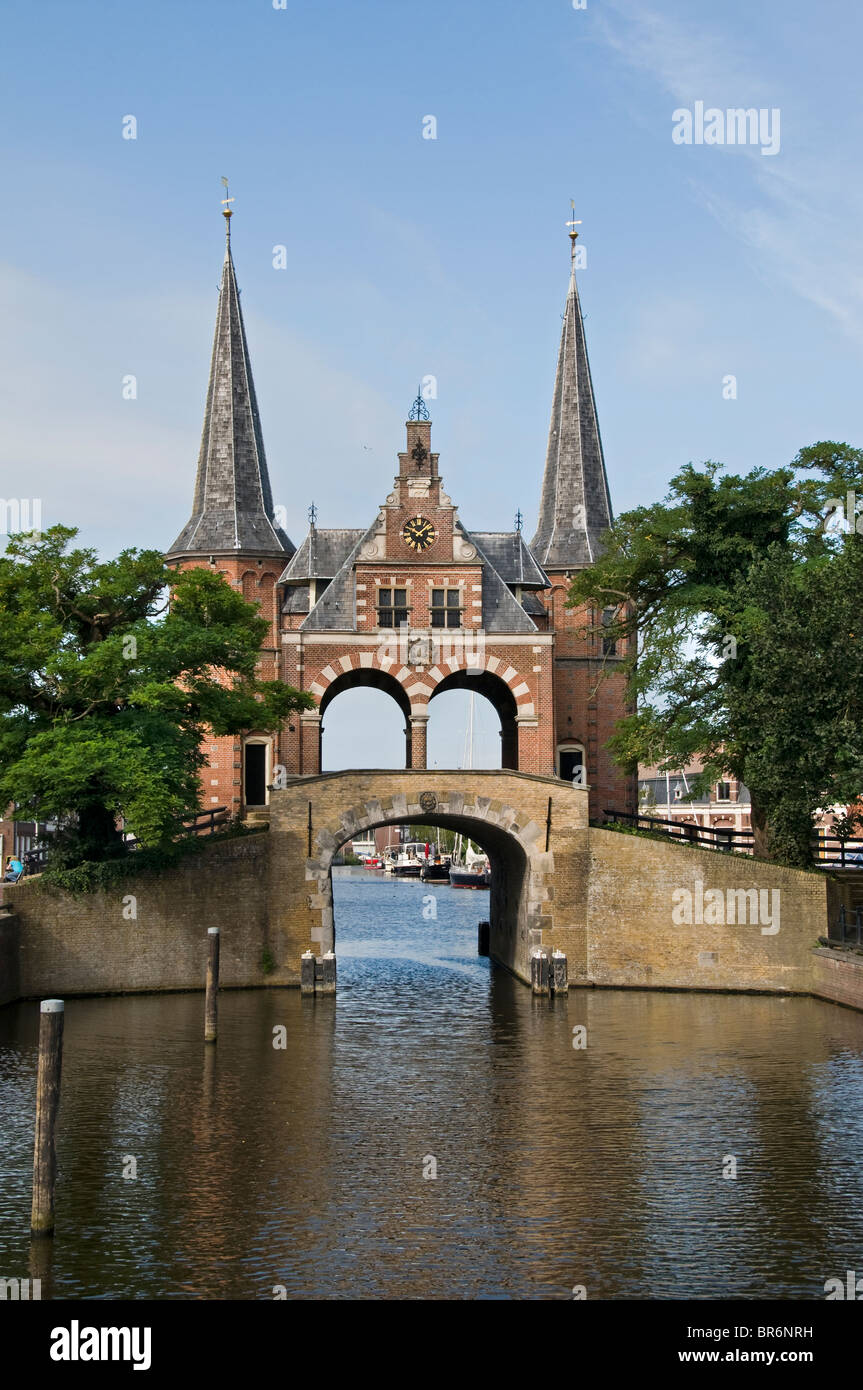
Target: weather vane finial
pixel 572 224
pixel 313 514
pixel 519 520
pixel 419 409
pixel 226 205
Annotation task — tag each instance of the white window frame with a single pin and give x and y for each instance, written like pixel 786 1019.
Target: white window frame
pixel 572 746
pixel 446 588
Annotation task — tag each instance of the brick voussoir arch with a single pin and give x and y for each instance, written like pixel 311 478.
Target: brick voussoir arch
pixel 420 685
pixel 495 666
pixel 337 667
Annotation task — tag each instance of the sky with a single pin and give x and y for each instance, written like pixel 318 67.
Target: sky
pixel 408 257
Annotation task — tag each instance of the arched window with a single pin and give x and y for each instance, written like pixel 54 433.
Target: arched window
pixel 571 763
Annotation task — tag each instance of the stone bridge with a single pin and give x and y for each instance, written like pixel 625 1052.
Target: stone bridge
pixel 534 830
pixel 607 899
pixel 604 898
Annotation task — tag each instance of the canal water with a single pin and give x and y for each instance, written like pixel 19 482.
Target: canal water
pixel 432 1132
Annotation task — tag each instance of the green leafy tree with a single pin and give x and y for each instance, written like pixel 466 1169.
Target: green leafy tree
pixel 740 611
pixel 107 688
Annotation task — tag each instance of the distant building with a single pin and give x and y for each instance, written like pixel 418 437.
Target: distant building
pixel 16 836
pixel 726 806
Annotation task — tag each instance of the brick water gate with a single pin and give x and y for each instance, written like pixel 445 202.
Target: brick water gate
pixel 412 602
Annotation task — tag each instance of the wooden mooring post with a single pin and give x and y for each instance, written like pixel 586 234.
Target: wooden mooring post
pixel 51 1015
pixel 325 983
pixel 483 938
pixel 540 970
pixel 307 972
pixel 211 1007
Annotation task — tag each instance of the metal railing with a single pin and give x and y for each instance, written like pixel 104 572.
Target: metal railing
pixel 204 823
pixel 828 851
pixel 848 926
pixel 708 836
pixel 207 822
pixel 831 852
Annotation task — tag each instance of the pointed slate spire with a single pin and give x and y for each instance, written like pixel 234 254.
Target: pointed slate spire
pixel 575 507
pixel 233 505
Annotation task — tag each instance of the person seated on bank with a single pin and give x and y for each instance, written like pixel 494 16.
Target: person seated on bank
pixel 14 869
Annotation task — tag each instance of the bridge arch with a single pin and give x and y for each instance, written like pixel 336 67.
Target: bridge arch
pixel 510 870
pixel 604 899
pixel 518 819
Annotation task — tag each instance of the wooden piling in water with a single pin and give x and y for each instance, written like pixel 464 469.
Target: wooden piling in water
pixel 539 971
pixel 327 982
pixel 483 938
pixel 307 973
pixel 51 1017
pixel 559 973
pixel 211 1007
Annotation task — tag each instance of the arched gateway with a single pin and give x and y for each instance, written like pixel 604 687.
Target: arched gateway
pixel 534 830
pixel 416 604
pixel 412 602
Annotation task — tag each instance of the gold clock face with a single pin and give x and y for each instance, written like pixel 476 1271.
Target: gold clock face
pixel 419 533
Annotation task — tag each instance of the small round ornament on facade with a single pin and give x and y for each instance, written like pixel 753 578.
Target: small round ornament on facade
pixel 428 801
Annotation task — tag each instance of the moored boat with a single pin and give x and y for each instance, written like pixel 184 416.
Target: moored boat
pixel 409 862
pixel 407 868
pixel 436 871
pixel 477 876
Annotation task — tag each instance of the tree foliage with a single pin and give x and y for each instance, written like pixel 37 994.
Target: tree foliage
pixel 742 611
pixel 107 688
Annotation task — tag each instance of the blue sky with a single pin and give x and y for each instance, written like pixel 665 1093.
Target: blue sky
pixel 408 257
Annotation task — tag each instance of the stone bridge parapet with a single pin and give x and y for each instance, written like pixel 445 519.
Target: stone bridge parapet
pixel 527 825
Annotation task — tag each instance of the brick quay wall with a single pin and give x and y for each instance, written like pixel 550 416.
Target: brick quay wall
pixel 605 898
pixel 147 934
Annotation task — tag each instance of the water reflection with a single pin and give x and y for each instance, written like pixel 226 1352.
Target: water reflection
pixel 259 1166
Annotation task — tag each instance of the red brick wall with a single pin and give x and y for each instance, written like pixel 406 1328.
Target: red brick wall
pixel 589 700
pixel 419 580
pixel 523 670
pixel 222 778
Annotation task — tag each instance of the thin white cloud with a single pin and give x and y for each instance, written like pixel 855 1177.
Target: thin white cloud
pixel 123 471
pixel 798 211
